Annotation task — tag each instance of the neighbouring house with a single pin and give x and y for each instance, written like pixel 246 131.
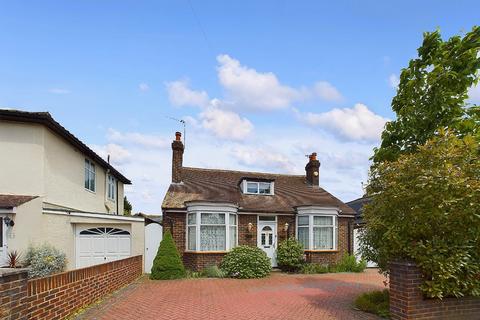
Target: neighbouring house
pixel 56 190
pixel 210 211
pixel 357 206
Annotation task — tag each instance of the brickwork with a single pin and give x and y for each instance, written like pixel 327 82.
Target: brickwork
pixel 245 237
pixel 13 293
pixel 177 158
pixel 281 232
pixel 59 295
pixel 197 261
pixel 408 302
pixel 332 257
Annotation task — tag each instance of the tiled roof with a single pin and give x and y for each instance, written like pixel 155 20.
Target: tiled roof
pixel 357 206
pixel 223 186
pixel 46 119
pixel 10 201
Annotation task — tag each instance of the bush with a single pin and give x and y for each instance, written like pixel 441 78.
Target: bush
pixel 167 264
pixel 424 208
pixel 246 262
pixel 349 264
pixel 312 268
pixel 376 302
pixel 213 272
pixel 44 260
pixel 290 255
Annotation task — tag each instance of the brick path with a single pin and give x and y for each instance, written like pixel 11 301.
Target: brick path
pixel 280 296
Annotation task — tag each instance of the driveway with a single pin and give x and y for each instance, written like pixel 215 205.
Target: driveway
pixel 280 296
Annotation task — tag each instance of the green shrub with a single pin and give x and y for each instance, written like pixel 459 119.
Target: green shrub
pixel 376 302
pixel 44 260
pixel 167 263
pixel 246 262
pixel 290 255
pixel 213 272
pixel 312 268
pixel 349 264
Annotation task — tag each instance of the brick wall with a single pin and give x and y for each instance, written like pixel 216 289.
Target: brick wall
pixel 13 292
pixel 197 261
pixel 245 237
pixel 59 295
pixel 329 257
pixel 408 302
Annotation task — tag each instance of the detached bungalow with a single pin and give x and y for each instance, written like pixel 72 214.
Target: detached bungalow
pixel 210 211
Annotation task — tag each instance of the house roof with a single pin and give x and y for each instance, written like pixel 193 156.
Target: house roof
pixel 47 120
pixel 8 201
pixel 214 185
pixel 357 205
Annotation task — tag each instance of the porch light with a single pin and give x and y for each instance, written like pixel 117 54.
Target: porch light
pixel 8 222
pixel 250 227
pixel 285 227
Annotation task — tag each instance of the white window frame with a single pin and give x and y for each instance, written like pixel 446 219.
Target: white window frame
pixel 198 210
pixel 312 212
pixel 89 169
pixel 245 187
pixel 111 187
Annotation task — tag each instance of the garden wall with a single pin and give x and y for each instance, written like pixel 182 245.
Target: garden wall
pixel 57 296
pixel 408 302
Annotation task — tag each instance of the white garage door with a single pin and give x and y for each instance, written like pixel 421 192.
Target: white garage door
pixel 95 245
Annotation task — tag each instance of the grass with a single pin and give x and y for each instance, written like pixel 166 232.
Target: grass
pixel 376 302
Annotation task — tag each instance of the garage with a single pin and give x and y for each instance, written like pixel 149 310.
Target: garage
pixel 101 244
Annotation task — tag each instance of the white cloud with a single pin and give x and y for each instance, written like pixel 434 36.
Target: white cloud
pixel 394 81
pixel 180 94
pixel 147 140
pixel 474 94
pixel 144 87
pixel 118 154
pixel 327 92
pixel 263 158
pixel 59 91
pixel 225 124
pixel 357 123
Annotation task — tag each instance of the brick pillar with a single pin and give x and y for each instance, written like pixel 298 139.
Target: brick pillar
pixel 405 293
pixel 312 170
pixel 177 158
pixel 13 294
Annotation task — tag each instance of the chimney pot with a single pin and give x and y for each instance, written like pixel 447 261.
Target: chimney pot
pixel 177 158
pixel 178 136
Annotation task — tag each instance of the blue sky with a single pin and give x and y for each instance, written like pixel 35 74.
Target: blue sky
pixel 260 83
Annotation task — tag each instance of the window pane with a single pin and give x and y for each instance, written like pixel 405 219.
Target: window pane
pixel 303 236
pixel 323 238
pixel 264 188
pixel 213 218
pixel 192 218
pixel 87 175
pixel 233 220
pixel 252 187
pixel 263 239
pixel 303 220
pixel 192 238
pixel 323 221
pixel 233 237
pixel 212 238
pixel 266 218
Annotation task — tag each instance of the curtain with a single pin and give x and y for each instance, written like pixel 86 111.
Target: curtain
pixel 303 236
pixel 322 238
pixel 212 238
pixel 192 238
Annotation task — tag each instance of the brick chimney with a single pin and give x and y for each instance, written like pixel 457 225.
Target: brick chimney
pixel 177 158
pixel 312 170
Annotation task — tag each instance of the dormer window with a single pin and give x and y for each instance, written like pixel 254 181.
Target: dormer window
pixel 257 187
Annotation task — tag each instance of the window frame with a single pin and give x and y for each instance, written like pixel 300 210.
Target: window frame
pixel 311 226
pixel 198 225
pixel 246 182
pixel 90 169
pixel 112 182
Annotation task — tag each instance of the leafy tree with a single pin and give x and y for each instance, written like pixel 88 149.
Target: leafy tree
pixel 167 263
pixel 245 262
pixel 290 255
pixel 127 206
pixel 425 207
pixel 432 94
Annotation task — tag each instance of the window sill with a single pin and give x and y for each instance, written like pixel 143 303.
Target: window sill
pixel 205 252
pixel 320 251
pixel 94 192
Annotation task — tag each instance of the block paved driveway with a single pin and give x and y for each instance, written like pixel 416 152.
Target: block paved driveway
pixel 280 296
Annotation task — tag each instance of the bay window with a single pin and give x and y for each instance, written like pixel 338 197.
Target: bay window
pixel 317 232
pixel 211 231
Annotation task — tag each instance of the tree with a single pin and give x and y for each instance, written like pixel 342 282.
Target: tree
pixel 425 207
pixel 432 94
pixel 127 206
pixel 167 263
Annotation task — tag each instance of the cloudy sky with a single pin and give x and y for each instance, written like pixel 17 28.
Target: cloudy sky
pixel 260 84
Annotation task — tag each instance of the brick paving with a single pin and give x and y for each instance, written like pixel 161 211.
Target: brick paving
pixel 280 296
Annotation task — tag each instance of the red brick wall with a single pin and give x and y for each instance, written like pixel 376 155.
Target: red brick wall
pixel 59 295
pixel 197 261
pixel 342 246
pixel 245 237
pixel 13 293
pixel 408 302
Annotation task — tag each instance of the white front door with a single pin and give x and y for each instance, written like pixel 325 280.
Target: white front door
pixel 96 245
pixel 267 238
pixel 3 242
